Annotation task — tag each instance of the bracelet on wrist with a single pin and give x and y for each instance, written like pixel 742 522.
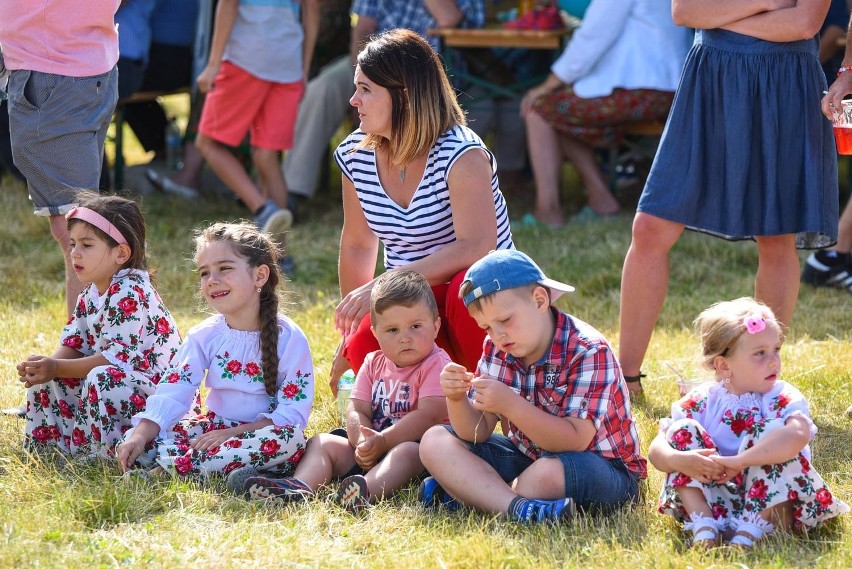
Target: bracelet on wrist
pixel 843 70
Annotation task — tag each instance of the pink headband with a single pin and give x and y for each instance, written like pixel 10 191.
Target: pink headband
pixel 99 221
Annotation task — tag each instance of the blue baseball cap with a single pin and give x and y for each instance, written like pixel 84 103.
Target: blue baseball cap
pixel 507 269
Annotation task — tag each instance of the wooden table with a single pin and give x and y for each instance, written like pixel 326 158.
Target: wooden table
pixel 453 39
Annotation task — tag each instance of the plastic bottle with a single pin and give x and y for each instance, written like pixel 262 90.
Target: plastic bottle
pixel 173 145
pixel 344 389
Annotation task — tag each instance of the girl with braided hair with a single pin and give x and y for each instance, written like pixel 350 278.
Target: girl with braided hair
pixel 257 365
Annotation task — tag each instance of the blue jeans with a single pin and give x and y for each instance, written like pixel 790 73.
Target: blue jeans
pixel 594 482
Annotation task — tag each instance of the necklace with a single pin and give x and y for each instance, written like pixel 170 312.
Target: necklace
pixel 402 174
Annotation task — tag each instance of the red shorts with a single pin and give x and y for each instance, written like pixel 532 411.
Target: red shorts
pixel 239 102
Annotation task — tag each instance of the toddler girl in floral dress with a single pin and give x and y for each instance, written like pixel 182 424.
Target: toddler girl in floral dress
pixel 736 450
pixel 116 344
pixel 257 366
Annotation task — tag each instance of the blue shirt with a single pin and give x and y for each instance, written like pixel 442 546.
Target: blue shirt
pixel 413 15
pixel 134 29
pixel 173 22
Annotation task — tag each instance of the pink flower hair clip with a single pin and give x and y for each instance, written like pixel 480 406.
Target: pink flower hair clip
pixel 755 323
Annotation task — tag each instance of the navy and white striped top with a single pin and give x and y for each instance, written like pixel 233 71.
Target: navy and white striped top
pixel 426 225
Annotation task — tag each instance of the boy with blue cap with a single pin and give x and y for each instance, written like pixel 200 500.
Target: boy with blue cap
pixel 554 381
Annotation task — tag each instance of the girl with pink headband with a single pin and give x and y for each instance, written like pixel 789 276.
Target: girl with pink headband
pixel 118 341
pixel 736 451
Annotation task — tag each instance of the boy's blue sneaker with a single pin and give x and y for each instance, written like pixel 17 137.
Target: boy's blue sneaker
pixel 432 495
pixel 526 510
pixel 283 490
pixel 272 219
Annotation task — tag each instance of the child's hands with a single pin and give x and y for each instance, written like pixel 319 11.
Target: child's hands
pixel 491 395
pixel 128 451
pixel 37 370
pixel 699 465
pixel 211 440
pixel 455 381
pixel 206 77
pixel 731 466
pixel 371 448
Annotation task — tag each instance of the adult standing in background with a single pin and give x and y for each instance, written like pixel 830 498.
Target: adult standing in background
pixel 746 154
pixel 62 92
pixel 326 100
pixel 622 65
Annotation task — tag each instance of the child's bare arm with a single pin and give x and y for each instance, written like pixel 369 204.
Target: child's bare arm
pixel 430 411
pixel 226 15
pixel 550 432
pixel 359 414
pixel 64 362
pixel 778 446
pixel 310 26
pixel 696 464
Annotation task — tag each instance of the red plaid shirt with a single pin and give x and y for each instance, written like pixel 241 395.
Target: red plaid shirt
pixel 578 377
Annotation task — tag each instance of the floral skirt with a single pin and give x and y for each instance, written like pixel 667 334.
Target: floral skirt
pixel 273 448
pixel 600 121
pixel 85 416
pixel 754 489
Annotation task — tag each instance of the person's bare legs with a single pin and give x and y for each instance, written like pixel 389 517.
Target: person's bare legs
pixel 546 161
pixel 271 178
pixel 600 199
pixel 230 171
pixel 777 280
pixel 644 283
pixel 326 457
pixel 190 173
pixel 473 482
pixel 73 285
pixel 704 529
pixel 396 469
pixel 844 230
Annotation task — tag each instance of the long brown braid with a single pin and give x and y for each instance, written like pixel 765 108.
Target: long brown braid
pixel 257 249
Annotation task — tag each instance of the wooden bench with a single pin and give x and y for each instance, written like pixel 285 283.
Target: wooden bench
pixel 140 97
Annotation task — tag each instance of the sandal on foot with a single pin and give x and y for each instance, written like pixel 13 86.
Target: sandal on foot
pixel 353 493
pixel 748 533
pixel 705 531
pixel 529 221
pixel 280 491
pixel 167 185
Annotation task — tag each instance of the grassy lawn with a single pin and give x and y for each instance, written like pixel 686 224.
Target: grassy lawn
pixel 86 516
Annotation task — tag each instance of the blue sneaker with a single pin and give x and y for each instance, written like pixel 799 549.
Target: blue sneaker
pixel 432 495
pixel 526 510
pixel 272 219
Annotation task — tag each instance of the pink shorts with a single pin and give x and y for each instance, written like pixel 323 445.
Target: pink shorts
pixel 239 102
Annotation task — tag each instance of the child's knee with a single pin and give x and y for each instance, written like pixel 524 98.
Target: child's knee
pixel 687 434
pixel 434 441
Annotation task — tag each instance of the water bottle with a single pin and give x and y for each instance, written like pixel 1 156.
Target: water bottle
pixel 344 389
pixel 173 145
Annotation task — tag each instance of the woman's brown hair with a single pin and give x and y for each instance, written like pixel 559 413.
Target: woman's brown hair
pixel 423 103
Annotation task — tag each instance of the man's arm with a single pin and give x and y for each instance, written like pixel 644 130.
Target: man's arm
pixel 447 13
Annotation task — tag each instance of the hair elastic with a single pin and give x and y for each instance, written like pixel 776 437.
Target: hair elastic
pixel 96 219
pixel 754 323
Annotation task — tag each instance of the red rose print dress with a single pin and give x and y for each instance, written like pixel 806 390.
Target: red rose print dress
pixel 131 327
pixel 231 361
pixel 711 417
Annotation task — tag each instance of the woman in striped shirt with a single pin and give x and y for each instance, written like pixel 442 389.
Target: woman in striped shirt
pixel 416 179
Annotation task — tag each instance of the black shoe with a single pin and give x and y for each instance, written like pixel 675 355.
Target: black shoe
pixel 828 269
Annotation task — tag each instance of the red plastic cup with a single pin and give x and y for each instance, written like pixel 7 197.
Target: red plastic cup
pixel 843 128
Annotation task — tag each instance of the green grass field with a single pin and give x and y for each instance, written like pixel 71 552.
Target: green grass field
pixel 86 516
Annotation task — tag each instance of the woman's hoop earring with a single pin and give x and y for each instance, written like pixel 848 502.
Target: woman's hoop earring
pixel 259 289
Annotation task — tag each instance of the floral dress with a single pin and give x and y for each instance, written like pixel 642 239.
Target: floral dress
pixel 231 361
pixel 130 326
pixel 709 417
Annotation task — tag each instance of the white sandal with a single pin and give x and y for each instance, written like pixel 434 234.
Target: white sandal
pixel 705 530
pixel 749 532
